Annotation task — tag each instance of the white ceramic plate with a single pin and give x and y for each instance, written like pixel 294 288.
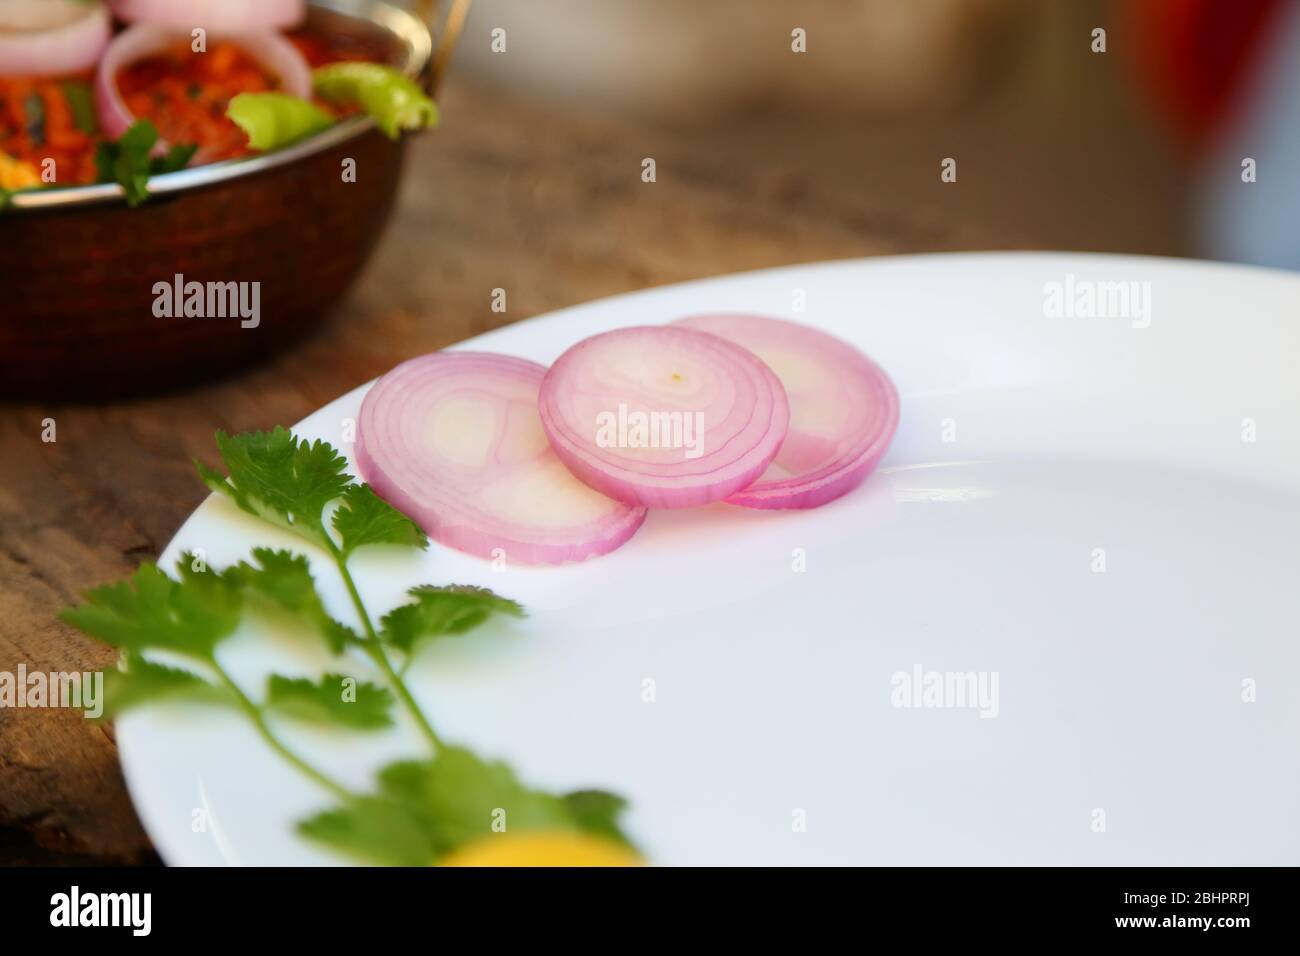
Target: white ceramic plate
pixel 1100 513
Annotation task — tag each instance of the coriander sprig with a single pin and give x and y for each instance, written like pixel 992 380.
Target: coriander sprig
pixel 129 161
pixel 290 483
pixel 188 616
pixel 422 809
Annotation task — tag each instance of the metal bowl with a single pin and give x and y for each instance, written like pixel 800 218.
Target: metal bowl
pixel 79 314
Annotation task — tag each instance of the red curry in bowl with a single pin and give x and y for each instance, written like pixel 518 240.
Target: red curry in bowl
pixel 82 262
pixel 183 93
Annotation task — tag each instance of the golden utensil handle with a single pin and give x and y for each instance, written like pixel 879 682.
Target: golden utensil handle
pixel 431 12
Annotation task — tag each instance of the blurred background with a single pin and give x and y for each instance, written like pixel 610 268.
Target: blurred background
pixel 1130 140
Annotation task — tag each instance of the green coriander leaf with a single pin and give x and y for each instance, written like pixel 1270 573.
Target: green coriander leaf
pixel 280 479
pixel 284 579
pixel 374 830
pixel 460 797
pixel 438 611
pixel 126 162
pixel 393 100
pixel 175 159
pixel 426 809
pixel 364 518
pixel 597 811
pixel 152 610
pixel 334 699
pixel 130 162
pixel 81 103
pixel 140 138
pixel 144 682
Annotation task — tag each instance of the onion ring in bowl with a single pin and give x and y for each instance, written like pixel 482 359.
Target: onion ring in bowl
pixel 663 416
pixel 453 440
pixel 843 410
pixel 274 53
pixel 215 16
pixel 51 37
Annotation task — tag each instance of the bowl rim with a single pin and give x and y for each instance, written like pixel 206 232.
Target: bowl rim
pixel 412 33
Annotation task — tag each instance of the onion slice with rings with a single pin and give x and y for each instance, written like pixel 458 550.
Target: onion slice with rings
pixel 453 440
pixel 274 53
pixel 51 37
pixel 663 416
pixel 843 410
pixel 215 16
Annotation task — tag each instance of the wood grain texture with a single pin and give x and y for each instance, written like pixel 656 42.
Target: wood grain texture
pixel 548 206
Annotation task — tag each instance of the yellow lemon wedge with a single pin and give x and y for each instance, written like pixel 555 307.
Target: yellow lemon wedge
pixel 543 849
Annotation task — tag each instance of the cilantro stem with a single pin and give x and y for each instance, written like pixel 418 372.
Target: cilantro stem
pixel 258 719
pixel 375 649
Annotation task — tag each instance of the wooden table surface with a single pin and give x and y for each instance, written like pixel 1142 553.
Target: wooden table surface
pixel 544 204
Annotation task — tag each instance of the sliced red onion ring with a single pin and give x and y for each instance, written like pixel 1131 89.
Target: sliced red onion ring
pixel 453 439
pixel 51 37
pixel 663 417
pixel 276 54
pixel 843 410
pixel 216 16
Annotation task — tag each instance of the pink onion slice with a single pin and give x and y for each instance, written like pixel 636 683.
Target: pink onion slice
pixel 275 54
pixel 453 440
pixel 223 16
pixel 51 37
pixel 663 417
pixel 843 410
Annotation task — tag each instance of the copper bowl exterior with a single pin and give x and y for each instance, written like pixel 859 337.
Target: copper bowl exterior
pixel 78 268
